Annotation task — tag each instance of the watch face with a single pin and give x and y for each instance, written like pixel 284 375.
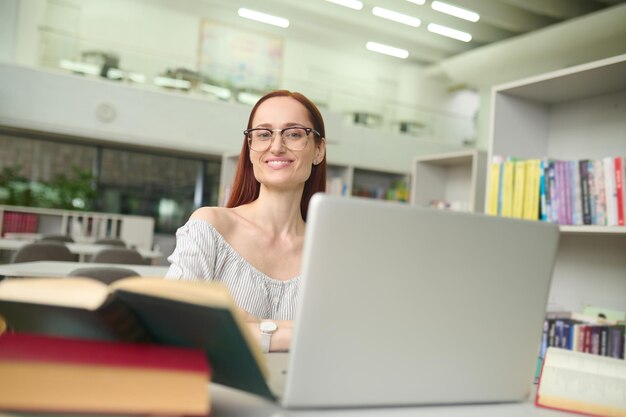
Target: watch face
pixel 268 326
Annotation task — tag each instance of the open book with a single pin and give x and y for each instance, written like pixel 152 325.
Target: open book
pixel 178 313
pixel 582 383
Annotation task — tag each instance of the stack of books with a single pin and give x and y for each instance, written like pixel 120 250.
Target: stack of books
pixel 138 346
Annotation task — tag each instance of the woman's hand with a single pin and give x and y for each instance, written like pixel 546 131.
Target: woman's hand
pixel 281 339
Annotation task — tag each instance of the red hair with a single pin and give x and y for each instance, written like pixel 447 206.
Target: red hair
pixel 245 186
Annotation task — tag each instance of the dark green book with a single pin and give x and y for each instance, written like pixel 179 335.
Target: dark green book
pixel 177 313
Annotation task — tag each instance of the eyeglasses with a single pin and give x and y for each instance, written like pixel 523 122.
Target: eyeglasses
pixel 294 138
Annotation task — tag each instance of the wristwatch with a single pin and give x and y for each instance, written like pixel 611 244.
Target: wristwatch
pixel 267 329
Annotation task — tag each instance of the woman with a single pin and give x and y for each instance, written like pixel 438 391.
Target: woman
pixel 255 244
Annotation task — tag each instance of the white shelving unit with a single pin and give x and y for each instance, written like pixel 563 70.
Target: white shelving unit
pixel 574 113
pixel 455 177
pixel 341 179
pixel 137 231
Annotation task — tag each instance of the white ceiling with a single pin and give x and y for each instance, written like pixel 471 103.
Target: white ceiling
pixel 325 23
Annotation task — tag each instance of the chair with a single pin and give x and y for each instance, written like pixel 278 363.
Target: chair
pixel 111 241
pixel 106 274
pixel 43 251
pixel 118 256
pixel 56 238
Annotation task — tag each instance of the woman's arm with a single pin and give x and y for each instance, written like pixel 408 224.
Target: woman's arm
pixel 281 339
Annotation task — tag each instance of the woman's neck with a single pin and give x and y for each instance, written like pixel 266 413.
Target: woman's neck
pixel 278 212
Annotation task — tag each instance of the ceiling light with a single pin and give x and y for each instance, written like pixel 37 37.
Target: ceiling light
pixel 219 92
pixel 420 2
pixel 455 11
pixel 115 74
pixel 136 77
pixel 81 67
pixel 449 32
pixel 263 17
pixel 172 83
pixel 353 4
pixel 248 98
pixel 387 50
pixel 396 17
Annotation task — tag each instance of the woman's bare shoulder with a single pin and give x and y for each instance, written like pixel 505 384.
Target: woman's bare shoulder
pixel 221 218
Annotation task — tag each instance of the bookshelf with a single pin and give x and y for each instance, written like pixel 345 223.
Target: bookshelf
pixel 341 179
pixel 457 178
pixel 137 231
pixel 573 113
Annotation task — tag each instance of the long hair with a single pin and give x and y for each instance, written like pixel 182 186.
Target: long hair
pixel 245 186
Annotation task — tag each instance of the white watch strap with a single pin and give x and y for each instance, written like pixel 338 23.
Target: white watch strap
pixel 266 338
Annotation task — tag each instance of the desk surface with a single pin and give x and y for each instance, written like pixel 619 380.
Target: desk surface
pixel 76 248
pixel 59 269
pixel 228 402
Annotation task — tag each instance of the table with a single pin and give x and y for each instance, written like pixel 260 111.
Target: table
pixel 80 249
pixel 60 269
pixel 228 402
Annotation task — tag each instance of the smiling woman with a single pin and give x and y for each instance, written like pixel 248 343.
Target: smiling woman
pixel 254 245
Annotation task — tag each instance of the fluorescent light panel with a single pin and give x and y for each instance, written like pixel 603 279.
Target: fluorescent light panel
pixel 248 98
pixel 81 67
pixel 455 11
pixel 420 2
pixel 396 17
pixel 217 91
pixel 387 50
pixel 449 32
pixel 353 4
pixel 263 17
pixel 172 82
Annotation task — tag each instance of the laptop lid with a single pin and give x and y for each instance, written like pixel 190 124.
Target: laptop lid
pixel 403 305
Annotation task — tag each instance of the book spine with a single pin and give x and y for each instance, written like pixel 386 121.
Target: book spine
pixel 568 192
pixel 577 216
pixel 536 209
pixel 591 187
pixel 584 190
pixel 543 199
pixel 604 341
pixel 562 187
pixel 507 188
pixel 520 195
pixel 619 190
pixel 554 203
pixel 494 185
pixel 609 191
pixel 598 165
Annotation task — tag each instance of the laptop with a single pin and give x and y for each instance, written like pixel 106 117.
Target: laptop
pixel 403 305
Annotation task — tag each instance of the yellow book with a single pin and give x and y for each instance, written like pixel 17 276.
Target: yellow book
pixel 531 205
pixel 519 174
pixel 494 186
pixel 536 188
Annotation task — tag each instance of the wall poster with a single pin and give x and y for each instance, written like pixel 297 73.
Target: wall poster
pixel 234 58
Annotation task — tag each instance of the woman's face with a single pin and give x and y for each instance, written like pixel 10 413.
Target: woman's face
pixel 279 166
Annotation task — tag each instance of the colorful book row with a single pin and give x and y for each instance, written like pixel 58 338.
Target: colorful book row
pixel 568 192
pixel 571 334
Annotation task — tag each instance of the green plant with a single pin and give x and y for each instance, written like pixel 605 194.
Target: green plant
pixel 73 192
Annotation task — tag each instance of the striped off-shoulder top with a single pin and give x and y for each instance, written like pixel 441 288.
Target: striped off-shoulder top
pixel 202 253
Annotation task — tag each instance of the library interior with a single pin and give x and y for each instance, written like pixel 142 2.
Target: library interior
pixel 129 147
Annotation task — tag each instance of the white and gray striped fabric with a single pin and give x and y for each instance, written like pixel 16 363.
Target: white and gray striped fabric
pixel 202 253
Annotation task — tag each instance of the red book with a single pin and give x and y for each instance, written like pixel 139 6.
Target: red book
pixel 101 377
pixel 619 188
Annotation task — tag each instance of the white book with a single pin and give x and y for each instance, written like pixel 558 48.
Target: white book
pixel 582 383
pixel 600 192
pixel 610 191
